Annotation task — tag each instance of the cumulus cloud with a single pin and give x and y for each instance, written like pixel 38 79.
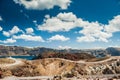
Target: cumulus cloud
pixel 43 4
pixel 1 18
pixel 69 17
pixel 15 35
pixel 47 16
pixel 8 41
pixel 1 28
pixel 86 39
pixel 29 30
pixel 62 22
pixel 5 33
pixel 64 47
pixel 91 31
pixel 58 38
pixel 14 30
pixel 94 32
pixel 101 32
pixel 114 25
pixel 29 38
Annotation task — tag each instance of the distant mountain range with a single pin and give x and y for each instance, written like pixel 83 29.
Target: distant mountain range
pixel 113 51
pixel 17 50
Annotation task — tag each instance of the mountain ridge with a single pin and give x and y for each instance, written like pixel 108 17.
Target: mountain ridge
pixel 18 50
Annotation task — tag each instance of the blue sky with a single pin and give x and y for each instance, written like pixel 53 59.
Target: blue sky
pixel 60 23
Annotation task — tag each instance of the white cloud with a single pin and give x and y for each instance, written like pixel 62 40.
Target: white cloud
pixel 29 38
pixel 69 17
pixel 43 4
pixel 86 39
pixel 24 36
pixel 62 22
pixel 58 38
pixel 8 41
pixel 14 30
pixel 1 28
pixel 29 30
pixel 114 25
pixel 94 32
pixel 5 33
pixel 117 46
pixel 1 18
pixel 91 31
pixel 47 16
pixel 64 47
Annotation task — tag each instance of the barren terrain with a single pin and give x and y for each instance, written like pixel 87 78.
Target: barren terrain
pixel 50 67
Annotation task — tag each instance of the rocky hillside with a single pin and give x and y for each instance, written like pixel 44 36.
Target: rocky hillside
pixel 17 50
pixel 68 56
pixel 63 67
pixel 13 50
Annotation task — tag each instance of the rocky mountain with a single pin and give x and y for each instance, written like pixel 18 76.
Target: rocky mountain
pixel 13 50
pixel 113 51
pixel 17 50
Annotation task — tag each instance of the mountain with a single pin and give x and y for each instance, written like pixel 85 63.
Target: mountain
pixel 68 56
pixel 17 50
pixel 13 50
pixel 114 51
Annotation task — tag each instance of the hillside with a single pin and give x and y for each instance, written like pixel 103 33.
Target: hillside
pixel 62 67
pixel 17 50
pixel 13 50
pixel 69 56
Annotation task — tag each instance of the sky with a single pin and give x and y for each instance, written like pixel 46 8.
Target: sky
pixel 60 24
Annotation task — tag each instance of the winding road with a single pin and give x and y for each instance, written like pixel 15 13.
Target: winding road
pixel 17 62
